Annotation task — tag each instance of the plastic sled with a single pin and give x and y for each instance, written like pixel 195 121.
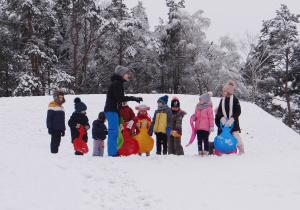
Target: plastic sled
pixel 225 142
pixel 193 131
pixel 130 146
pixel 78 143
pixel 120 139
pixel 145 141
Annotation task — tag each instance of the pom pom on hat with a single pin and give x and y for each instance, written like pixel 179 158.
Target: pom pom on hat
pixel 142 107
pixel 206 97
pixel 79 106
pixel 229 87
pixel 163 99
pixel 175 102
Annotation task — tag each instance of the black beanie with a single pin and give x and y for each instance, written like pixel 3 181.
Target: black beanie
pixel 175 102
pixel 101 116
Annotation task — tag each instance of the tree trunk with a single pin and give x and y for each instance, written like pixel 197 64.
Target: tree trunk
pixel 286 89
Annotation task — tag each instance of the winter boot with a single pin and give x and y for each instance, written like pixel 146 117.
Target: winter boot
pixel 241 150
pixel 147 153
pixel 200 153
pixel 204 153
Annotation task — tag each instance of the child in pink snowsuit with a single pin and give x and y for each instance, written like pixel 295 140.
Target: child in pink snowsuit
pixel 204 122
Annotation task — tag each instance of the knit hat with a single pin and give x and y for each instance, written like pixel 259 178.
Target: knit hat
pixel 101 116
pixel 79 106
pixel 206 97
pixel 175 102
pixel 229 87
pixel 57 93
pixel 142 107
pixel 163 99
pixel 121 70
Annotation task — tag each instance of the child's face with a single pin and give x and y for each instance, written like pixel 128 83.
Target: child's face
pixel 60 98
pixel 226 94
pixel 105 120
pixel 175 108
pixel 124 103
pixel 143 112
pixel 159 103
pixel 201 102
pixel 83 112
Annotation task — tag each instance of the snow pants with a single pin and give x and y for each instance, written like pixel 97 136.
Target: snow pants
pixel 174 146
pixel 55 141
pixel 161 139
pixel 98 148
pixel 202 137
pixel 113 132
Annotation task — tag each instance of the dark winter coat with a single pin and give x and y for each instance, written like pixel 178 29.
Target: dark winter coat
pixel 177 121
pixel 161 120
pixel 99 130
pixel 78 118
pixel 235 112
pixel 56 117
pixel 115 95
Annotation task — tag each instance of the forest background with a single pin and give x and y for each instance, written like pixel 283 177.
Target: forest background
pixel 75 45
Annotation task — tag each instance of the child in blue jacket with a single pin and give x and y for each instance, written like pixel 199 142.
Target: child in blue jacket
pixel 99 133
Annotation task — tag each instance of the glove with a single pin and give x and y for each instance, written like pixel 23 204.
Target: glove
pixel 230 121
pixel 149 124
pixel 50 131
pixel 138 99
pixel 87 127
pixel 194 118
pixel 211 129
pixel 168 131
pixel 150 132
pixel 129 125
pixel 78 125
pixel 63 133
pixel 138 125
pixel 223 120
pixel 121 127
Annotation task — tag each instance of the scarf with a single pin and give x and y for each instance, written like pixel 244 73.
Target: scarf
pixel 162 107
pixel 230 107
pixel 202 106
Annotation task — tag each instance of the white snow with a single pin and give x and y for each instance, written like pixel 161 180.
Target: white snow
pixel 267 176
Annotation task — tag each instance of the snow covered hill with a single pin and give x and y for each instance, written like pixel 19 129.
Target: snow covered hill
pixel 267 176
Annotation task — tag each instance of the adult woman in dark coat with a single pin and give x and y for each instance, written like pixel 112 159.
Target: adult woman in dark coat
pixel 114 98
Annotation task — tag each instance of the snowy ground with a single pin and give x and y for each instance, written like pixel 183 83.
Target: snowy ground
pixel 267 176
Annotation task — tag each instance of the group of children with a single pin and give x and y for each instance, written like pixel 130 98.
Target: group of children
pixel 166 123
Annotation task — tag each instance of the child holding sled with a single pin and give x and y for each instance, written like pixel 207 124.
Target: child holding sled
pixel 161 124
pixel 141 115
pixel 56 120
pixel 128 115
pixel 230 108
pixel 77 119
pixel 204 122
pixel 99 132
pixel 174 140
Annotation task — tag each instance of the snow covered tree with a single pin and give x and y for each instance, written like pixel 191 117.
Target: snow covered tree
pixel 280 36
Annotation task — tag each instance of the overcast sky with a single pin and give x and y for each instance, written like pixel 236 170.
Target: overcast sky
pixel 228 17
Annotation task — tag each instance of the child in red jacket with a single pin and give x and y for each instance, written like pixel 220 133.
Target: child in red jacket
pixel 127 114
pixel 141 115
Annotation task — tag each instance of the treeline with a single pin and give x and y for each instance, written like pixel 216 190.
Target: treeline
pixel 75 45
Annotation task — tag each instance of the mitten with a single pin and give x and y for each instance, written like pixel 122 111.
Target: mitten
pixel 50 131
pixel 138 99
pixel 211 129
pixel 223 120
pixel 168 131
pixel 130 123
pixel 230 121
pixel 78 125
pixel 63 133
pixel 194 118
pixel 150 131
pixel 87 127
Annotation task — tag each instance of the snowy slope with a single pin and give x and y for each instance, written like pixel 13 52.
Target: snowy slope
pixel 267 176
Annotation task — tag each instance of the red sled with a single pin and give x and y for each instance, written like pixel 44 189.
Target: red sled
pixel 218 153
pixel 78 143
pixel 130 146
